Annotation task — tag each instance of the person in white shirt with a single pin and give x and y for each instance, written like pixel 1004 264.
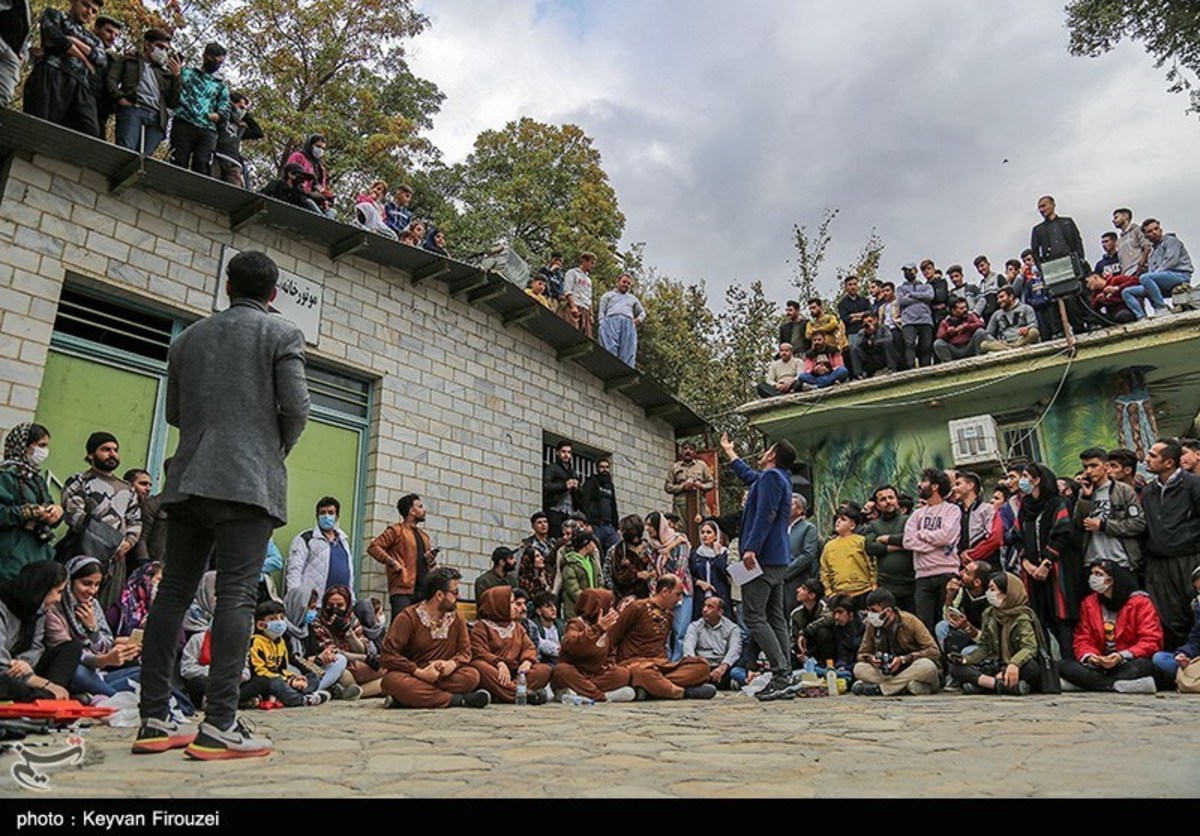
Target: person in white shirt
pixel 577 294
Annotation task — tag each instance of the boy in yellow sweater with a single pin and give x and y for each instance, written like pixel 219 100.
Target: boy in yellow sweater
pixel 269 674
pixel 846 568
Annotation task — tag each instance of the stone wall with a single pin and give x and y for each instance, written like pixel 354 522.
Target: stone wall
pixel 460 402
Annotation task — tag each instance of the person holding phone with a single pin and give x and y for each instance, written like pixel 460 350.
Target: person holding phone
pixel 1004 658
pixel 407 553
pixel 1051 566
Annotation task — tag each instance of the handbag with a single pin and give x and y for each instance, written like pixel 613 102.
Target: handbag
pixel 99 540
pixel 1187 680
pixel 1049 681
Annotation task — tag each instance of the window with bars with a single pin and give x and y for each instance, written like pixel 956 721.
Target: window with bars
pixel 583 457
pixel 1021 441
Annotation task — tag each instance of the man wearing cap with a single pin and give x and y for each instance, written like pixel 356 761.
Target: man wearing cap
pixel 203 105
pixel 59 89
pixel 97 494
pixel 145 87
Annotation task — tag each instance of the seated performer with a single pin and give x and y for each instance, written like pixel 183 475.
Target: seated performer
pixel 586 665
pixel 426 651
pixel 501 649
pixel 641 635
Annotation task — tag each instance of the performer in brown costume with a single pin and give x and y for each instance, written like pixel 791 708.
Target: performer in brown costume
pixel 585 664
pixel 501 649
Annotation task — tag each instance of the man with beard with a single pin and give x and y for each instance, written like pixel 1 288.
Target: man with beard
pixel 600 504
pixel 98 495
pixel 932 534
pixel 502 573
pixel 629 565
pixel 688 480
pixel 405 550
pixel 885 543
pixel 427 651
pixel 560 488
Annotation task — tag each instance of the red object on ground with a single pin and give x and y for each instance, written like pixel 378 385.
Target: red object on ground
pixel 53 710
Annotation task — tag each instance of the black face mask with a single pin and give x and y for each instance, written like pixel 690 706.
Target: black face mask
pixel 211 66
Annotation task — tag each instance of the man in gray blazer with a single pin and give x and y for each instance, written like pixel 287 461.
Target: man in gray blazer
pixel 237 392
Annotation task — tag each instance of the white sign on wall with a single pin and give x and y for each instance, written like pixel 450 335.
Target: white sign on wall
pixel 298 299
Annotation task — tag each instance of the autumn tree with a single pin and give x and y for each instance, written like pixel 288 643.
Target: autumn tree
pixel 540 188
pixel 333 67
pixel 1168 29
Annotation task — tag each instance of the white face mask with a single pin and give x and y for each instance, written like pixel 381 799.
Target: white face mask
pixel 875 619
pixel 1099 583
pixel 159 56
pixel 994 598
pixel 318 152
pixel 39 455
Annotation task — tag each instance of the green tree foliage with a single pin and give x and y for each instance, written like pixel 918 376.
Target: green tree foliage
pixel 333 67
pixel 810 253
pixel 540 188
pixel 866 266
pixel 1169 30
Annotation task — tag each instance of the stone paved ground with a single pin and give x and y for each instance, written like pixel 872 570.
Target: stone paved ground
pixel 942 746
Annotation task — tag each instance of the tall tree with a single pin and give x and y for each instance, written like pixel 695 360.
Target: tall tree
pixel 333 67
pixel 866 265
pixel 541 188
pixel 810 253
pixel 1169 30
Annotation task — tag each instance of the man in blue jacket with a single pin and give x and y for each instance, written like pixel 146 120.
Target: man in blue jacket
pixel 763 541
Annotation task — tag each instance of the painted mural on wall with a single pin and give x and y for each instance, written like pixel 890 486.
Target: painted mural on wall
pixel 850 461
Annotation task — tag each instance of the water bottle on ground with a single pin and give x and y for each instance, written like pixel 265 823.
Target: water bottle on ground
pixel 522 689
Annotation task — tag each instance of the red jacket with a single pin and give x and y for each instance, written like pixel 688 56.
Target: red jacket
pixel 1138 628
pixel 1110 296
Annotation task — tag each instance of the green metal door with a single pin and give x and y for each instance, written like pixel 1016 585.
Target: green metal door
pixel 80 396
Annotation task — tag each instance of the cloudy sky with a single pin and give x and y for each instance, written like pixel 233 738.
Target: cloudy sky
pixel 721 124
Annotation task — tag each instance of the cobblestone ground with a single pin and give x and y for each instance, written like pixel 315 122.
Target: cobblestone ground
pixel 942 746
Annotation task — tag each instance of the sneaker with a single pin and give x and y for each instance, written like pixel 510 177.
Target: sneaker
pixel 238 741
pixel 317 698
pixel 700 692
pixel 777 689
pixel 1021 689
pixel 345 692
pixel 969 688
pixel 477 699
pixel 160 735
pixel 625 694
pixel 535 698
pixel 866 689
pixel 1144 685
pixel 640 694
pixel 390 702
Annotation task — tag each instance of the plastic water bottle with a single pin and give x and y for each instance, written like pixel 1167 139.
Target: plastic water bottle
pixel 810 665
pixel 831 679
pixel 522 689
pixel 575 699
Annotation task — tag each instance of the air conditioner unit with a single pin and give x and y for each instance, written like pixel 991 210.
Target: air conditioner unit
pixel 974 440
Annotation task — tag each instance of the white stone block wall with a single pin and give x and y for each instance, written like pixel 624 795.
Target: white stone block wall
pixel 460 401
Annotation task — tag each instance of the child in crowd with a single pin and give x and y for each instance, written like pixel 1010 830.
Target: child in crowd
pixel 269 674
pixel 846 568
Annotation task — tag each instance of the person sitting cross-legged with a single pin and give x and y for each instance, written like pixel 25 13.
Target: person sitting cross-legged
pixel 1117 635
pixel 1169 663
pixel 1004 657
pixel 426 651
pixel 781 374
pixel 501 650
pixel 718 641
pixel 823 365
pixel 897 654
pixel 587 665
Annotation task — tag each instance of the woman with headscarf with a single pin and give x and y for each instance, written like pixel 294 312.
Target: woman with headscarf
pixel 370 615
pixel 587 665
pixel 311 159
pixel 435 241
pixel 272 566
pixel 1004 657
pixel 709 565
pixel 668 539
pixel 501 650
pixel 105 665
pixel 1118 633
pixel 199 615
pixel 337 626
pixel 28 671
pixel 328 666
pixel 1050 566
pixel 27 512
pixel 137 596
pixel 630 563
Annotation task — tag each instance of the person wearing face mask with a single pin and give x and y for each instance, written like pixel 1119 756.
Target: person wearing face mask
pixel 338 626
pixel 146 88
pixel 103 514
pixel 320 557
pixel 28 671
pixel 290 187
pixel 311 159
pixel 898 654
pixel 203 106
pixel 1050 565
pixel 1118 633
pixel 1004 657
pixel 27 512
pixel 270 675
pixel 228 163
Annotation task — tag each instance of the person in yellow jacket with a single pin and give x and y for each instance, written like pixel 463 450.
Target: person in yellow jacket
pixel 268 662
pixel 846 568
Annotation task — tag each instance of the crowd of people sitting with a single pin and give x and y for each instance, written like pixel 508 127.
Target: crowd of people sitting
pixel 931 318
pixel 1033 583
pixel 81 80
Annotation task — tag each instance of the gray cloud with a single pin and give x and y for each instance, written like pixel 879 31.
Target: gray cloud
pixel 723 125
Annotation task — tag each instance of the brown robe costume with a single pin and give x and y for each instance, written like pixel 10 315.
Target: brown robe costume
pixel 584 666
pixel 640 636
pixel 411 643
pixel 496 638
